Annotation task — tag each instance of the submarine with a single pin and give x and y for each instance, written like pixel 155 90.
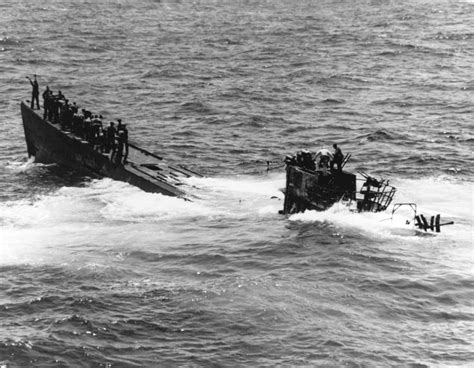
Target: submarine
pixel 54 142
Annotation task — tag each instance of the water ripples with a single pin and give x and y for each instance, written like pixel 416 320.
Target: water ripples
pixel 97 272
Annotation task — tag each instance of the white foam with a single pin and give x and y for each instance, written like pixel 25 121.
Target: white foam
pixel 108 211
pixel 240 196
pixel 109 200
pixel 101 200
pixel 440 194
pixel 453 200
pixel 341 216
pixel 23 166
pixel 248 185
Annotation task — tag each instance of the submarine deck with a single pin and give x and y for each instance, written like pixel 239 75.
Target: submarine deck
pixel 144 169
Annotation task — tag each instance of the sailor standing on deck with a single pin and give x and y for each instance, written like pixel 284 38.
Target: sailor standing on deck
pixel 117 149
pixel 338 158
pixel 110 145
pixel 46 101
pixel 34 93
pixel 122 133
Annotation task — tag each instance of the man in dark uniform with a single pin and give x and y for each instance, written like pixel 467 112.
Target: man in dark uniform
pixel 74 108
pixel 34 93
pixel 46 101
pixel 122 134
pixel 110 145
pixel 56 104
pixel 51 104
pixel 88 133
pixel 77 122
pixel 119 152
pixel 338 158
pixel 96 130
pixel 125 137
pixel 67 115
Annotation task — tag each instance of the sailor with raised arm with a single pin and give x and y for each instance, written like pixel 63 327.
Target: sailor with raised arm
pixel 34 92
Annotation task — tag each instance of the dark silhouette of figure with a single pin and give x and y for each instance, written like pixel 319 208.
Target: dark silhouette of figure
pixel 46 102
pixel 119 153
pixel 122 134
pixel 110 145
pixel 78 123
pixel 100 140
pixel 88 130
pixel 119 124
pixel 34 92
pixel 338 158
pixel 96 133
pixel 51 104
pixel 67 116
pixel 56 104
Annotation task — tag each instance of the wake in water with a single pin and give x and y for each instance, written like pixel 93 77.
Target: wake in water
pixel 432 196
pixel 25 166
pixel 243 194
pixel 112 201
pixel 105 211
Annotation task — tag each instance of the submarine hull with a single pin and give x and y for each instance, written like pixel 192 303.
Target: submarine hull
pixel 48 143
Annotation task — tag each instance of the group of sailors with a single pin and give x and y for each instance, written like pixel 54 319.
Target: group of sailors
pixel 322 160
pixel 111 139
pixel 326 160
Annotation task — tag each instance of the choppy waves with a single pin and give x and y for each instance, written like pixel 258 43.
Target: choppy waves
pixel 96 272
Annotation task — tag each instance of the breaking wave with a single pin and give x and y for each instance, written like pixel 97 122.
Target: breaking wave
pixel 432 195
pixel 23 166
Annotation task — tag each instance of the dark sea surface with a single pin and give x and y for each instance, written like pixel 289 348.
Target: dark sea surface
pixel 97 273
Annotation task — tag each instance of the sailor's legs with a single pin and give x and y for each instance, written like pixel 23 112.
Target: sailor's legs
pixel 35 98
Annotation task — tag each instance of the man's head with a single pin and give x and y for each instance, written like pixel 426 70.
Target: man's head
pixel 334 145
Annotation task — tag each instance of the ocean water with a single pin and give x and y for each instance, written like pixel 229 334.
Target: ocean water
pixel 97 273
